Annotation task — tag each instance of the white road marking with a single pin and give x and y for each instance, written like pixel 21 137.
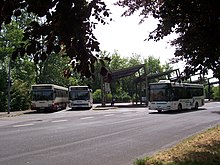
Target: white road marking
pixel 23 125
pixel 110 115
pixel 58 121
pixel 127 113
pixel 89 117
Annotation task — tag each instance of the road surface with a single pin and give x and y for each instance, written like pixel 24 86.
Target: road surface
pixel 89 137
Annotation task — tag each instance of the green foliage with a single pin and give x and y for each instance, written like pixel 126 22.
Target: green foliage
pixel 139 162
pixel 68 27
pixel 108 97
pixel 97 95
pixel 216 95
pixel 134 60
pixel 3 89
pixel 121 95
pixel 117 62
pixel 20 98
pixel 23 69
pixel 52 70
pixel 209 92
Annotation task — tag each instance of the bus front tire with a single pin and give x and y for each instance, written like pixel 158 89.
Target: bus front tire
pixel 179 107
pixel 196 106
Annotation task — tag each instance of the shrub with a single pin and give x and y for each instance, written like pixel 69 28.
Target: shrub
pixel 97 96
pixel 20 97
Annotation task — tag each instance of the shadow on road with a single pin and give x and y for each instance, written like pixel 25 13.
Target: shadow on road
pixel 79 109
pixel 123 105
pixel 42 111
pixel 217 112
pixel 178 112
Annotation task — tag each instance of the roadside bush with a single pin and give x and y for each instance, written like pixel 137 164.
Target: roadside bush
pixel 20 97
pixel 3 90
pixel 122 98
pixel 216 93
pixel 97 96
pixel 109 98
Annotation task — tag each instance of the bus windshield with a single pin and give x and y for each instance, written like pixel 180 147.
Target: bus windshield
pixel 79 95
pixel 159 92
pixel 38 95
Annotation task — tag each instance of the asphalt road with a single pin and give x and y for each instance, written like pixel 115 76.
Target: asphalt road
pixel 111 137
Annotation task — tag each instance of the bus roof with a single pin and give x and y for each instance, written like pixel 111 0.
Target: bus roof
pixel 44 86
pixel 79 87
pixel 177 84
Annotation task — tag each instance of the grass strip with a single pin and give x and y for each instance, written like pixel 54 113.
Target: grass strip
pixel 200 149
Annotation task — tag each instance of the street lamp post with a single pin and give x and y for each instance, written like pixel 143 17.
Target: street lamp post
pixel 9 86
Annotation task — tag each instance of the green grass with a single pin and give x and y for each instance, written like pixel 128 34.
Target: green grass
pixel 200 149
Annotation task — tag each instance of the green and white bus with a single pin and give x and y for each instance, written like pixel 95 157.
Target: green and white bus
pixel 166 95
pixel 48 97
pixel 80 97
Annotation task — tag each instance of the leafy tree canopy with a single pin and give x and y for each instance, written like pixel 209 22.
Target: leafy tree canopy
pixel 196 21
pixel 63 25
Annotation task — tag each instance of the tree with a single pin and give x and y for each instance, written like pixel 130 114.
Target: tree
pixel 20 95
pixel 3 87
pixel 52 69
pixel 197 23
pixel 22 69
pixel 64 25
pixel 216 94
pixel 117 62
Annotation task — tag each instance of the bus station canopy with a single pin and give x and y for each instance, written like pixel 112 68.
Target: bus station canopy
pixel 126 72
pixel 155 75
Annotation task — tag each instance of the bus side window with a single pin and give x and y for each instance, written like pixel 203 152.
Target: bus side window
pixel 188 93
pixel 175 94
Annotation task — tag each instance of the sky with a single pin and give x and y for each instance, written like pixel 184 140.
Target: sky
pixel 126 36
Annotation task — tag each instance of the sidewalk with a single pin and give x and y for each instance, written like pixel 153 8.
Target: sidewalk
pixel 14 113
pixel 95 107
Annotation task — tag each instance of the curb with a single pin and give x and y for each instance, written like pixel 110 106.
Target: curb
pixel 103 108
pixel 14 113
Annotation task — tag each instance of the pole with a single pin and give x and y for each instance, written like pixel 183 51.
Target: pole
pixel 9 86
pixel 103 91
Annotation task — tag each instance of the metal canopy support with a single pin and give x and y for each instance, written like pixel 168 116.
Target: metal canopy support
pixel 146 86
pixel 103 95
pixel 115 75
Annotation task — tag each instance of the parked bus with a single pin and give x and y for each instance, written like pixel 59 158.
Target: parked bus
pixel 80 97
pixel 48 96
pixel 167 95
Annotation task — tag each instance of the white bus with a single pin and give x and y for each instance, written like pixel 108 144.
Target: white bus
pixel 167 95
pixel 48 96
pixel 80 97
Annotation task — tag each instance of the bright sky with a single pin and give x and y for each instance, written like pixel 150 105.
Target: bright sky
pixel 127 36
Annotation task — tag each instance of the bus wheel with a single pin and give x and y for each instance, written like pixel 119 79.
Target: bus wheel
pixel 159 111
pixel 179 107
pixel 196 106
